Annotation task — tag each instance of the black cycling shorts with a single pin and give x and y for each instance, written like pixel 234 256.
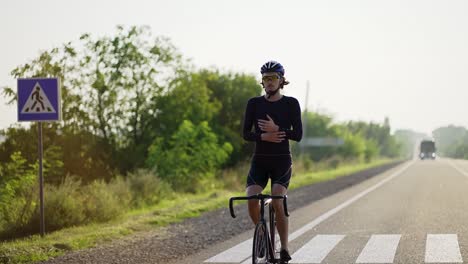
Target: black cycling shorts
pixel 277 168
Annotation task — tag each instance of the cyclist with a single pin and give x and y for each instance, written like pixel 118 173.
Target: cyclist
pixel 272 116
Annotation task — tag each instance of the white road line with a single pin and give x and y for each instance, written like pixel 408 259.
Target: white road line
pixel 240 253
pixel 458 168
pixel 442 248
pixel 335 210
pixel 235 254
pixel 248 261
pixel 379 249
pixel 316 249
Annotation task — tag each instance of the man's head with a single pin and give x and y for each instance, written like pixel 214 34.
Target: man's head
pixel 272 66
pixel 272 77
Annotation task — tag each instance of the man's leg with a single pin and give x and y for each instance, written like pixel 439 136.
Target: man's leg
pixel 254 205
pixel 282 221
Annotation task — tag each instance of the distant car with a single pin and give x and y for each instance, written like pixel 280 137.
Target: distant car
pixel 427 150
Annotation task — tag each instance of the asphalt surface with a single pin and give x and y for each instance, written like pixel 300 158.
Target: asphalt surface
pixel 195 240
pixel 416 212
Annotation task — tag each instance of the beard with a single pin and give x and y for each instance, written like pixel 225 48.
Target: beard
pixel 271 93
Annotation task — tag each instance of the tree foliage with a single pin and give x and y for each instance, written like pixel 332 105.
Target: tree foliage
pixel 109 88
pixel 138 122
pixel 361 140
pixel 452 141
pixel 409 141
pixel 191 156
pixel 18 186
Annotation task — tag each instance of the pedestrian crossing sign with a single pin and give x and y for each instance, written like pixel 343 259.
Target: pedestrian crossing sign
pixel 39 99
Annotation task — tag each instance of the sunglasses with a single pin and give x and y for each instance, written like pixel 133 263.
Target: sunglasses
pixel 270 78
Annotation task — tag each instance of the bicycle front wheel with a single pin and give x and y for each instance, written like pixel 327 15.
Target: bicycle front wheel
pixel 260 244
pixel 274 235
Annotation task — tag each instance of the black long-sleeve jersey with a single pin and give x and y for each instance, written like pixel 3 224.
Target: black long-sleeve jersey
pixel 286 113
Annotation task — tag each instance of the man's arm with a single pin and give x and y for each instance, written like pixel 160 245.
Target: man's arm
pixel 296 133
pixel 249 119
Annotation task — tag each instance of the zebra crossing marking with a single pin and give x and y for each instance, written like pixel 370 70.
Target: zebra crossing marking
pixel 316 249
pixel 235 252
pixel 442 248
pixel 379 249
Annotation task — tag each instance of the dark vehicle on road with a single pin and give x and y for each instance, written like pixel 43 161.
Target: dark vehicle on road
pixel 427 150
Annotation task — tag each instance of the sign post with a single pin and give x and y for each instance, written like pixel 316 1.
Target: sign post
pixel 41 180
pixel 39 101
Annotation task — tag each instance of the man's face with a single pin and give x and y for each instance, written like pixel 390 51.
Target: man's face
pixel 271 81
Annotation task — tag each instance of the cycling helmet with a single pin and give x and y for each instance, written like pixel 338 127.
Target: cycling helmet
pixel 272 66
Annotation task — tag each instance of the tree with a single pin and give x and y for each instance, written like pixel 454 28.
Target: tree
pixel 127 73
pixel 354 145
pixel 320 125
pixel 191 156
pixel 408 140
pixel 231 91
pixel 187 98
pixel 380 134
pixel 109 86
pixel 447 138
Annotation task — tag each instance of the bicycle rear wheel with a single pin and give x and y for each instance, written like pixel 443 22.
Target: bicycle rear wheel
pixel 260 244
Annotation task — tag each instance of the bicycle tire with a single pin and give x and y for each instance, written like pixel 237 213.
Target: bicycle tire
pixel 260 252
pixel 274 235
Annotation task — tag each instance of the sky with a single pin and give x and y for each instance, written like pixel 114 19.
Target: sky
pixel 365 60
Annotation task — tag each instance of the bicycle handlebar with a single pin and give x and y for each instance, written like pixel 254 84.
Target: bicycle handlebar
pixel 260 197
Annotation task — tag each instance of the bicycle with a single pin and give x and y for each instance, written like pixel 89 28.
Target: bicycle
pixel 266 245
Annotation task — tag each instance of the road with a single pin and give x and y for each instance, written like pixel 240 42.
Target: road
pixel 413 213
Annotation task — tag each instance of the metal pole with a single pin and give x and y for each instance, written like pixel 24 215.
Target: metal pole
pixel 41 181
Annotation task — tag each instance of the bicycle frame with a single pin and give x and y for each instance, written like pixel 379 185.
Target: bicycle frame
pixel 264 201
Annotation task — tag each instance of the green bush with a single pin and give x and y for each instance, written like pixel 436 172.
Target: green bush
pixel 234 178
pixel 334 162
pixel 146 188
pixel 354 146
pixel 303 164
pixel 306 162
pixel 122 190
pixel 16 217
pixel 191 156
pixel 18 195
pixel 72 204
pixel 372 150
pixel 101 203
pixel 63 205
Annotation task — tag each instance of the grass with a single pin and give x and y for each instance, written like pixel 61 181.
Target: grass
pixel 150 219
pixel 35 248
pixel 320 176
